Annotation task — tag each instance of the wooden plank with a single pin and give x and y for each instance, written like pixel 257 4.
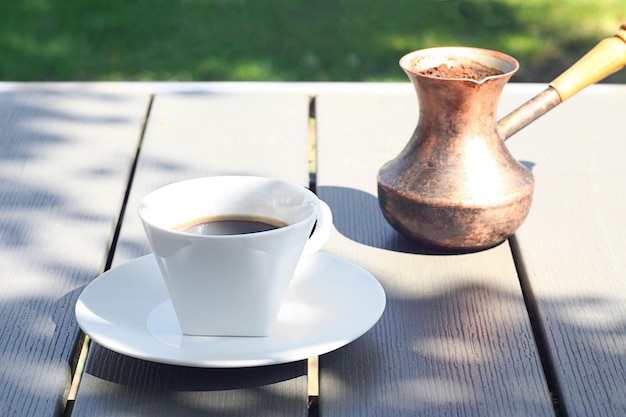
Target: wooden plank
pixel 573 245
pixel 194 135
pixel 64 164
pixel 455 337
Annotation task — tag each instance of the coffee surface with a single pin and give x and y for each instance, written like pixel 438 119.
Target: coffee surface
pixel 474 72
pixel 230 225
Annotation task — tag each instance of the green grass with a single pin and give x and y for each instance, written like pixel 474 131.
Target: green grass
pixel 286 40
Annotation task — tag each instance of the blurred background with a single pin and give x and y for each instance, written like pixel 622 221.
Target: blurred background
pixel 287 40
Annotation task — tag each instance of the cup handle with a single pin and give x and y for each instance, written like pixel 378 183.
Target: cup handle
pixel 322 230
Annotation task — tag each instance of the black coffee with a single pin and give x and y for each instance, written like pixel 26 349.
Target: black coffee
pixel 230 225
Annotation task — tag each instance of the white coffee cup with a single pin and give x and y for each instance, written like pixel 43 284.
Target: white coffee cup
pixel 231 285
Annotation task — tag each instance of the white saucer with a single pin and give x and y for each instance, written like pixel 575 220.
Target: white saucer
pixel 330 303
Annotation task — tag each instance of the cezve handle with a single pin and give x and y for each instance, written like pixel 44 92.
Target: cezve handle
pixel 607 57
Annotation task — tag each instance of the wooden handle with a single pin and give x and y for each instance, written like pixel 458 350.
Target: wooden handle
pixel 608 56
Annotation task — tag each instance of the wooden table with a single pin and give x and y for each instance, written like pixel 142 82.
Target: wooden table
pixel 533 327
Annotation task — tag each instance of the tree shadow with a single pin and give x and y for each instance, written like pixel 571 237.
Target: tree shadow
pixel 55 230
pixel 453 353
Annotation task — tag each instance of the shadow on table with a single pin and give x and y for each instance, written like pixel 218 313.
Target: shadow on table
pixel 182 378
pixel 148 388
pixel 350 206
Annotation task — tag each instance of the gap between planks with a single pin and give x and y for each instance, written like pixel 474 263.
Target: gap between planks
pixel 313 381
pixel 312 145
pixel 84 341
pixel 540 333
